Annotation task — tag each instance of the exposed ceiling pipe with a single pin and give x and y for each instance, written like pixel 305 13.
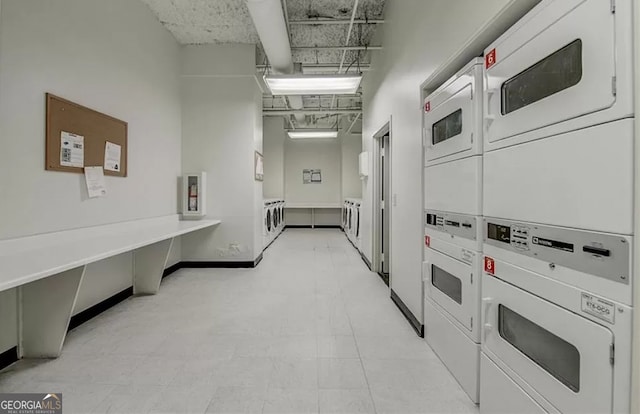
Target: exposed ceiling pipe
pixel 268 18
pixel 344 51
pixel 335 21
pixel 340 111
pixel 354 122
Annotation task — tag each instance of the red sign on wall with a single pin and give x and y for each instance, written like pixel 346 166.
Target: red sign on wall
pixel 427 241
pixel 427 106
pixel 490 58
pixel 489 265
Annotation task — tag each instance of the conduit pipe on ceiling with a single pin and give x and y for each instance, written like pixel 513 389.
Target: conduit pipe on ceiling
pixel 268 18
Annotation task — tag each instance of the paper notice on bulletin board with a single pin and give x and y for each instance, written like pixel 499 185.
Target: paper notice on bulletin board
pixel 94 177
pixel 112 157
pixel 71 150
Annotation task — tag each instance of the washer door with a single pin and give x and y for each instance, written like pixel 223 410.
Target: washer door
pixel 561 355
pixel 269 218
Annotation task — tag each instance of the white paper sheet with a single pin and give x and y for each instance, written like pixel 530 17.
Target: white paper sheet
pixel 95 181
pixel 112 155
pixel 260 167
pixel 71 150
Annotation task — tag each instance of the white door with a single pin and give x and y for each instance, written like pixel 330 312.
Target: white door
pixel 563 356
pixel 450 283
pixel 451 118
pixel 558 64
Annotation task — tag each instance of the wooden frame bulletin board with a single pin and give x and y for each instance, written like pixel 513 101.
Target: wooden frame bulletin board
pixel 96 128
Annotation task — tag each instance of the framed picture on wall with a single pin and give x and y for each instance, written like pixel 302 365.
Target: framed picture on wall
pixel 310 176
pixel 258 166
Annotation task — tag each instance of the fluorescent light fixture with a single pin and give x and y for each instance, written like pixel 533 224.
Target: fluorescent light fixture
pixel 313 133
pixel 317 84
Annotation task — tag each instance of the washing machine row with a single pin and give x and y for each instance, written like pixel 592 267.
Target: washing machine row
pixel 351 221
pixel 536 192
pixel 273 220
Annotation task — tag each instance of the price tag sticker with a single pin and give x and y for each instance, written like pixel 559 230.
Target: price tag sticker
pixel 599 308
pixel 490 58
pixel 489 265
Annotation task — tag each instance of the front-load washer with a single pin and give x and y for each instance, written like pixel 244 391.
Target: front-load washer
pixel 356 232
pixel 452 118
pixel 566 65
pixel 455 186
pixel 345 208
pixel 451 276
pixel 552 345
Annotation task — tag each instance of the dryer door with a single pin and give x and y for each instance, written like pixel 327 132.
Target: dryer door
pixel 557 65
pixel 561 355
pixel 449 283
pixel 451 120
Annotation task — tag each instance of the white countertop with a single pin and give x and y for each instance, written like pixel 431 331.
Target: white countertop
pixel 31 258
pixel 316 205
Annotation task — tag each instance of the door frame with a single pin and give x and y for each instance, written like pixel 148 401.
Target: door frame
pixel 376 218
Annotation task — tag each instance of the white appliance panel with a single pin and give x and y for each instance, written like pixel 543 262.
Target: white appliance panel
pixel 455 186
pixel 459 354
pixel 582 179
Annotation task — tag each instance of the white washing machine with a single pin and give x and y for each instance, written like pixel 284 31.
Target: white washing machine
pixel 358 224
pixel 266 224
pixel 545 157
pixel 345 208
pixel 556 319
pixel 451 275
pixel 452 118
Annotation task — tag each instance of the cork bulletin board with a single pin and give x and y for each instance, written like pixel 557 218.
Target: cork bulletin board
pixel 66 117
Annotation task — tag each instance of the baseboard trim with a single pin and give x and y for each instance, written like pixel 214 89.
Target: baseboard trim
pixel 257 261
pixel 308 226
pixel 219 265
pixel 95 310
pixel 8 357
pixel 366 261
pixel 172 269
pixel 385 278
pixel 413 321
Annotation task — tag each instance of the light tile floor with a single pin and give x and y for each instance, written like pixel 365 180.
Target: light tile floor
pixel 310 330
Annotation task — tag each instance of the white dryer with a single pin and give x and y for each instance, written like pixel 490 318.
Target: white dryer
pixel 554 88
pixel 358 224
pixel 556 319
pixel 451 275
pixel 452 118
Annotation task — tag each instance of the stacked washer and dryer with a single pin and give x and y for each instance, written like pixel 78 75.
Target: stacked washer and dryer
pixel 452 134
pixel 273 220
pixel 351 221
pixel 540 187
pixel 558 200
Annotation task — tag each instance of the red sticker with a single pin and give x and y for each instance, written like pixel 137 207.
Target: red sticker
pixel 427 106
pixel 490 59
pixel 427 241
pixel 489 265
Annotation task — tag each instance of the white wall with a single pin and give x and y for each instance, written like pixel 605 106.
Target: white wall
pixel 418 36
pixel 114 57
pixel 274 138
pixel 221 129
pixel 323 154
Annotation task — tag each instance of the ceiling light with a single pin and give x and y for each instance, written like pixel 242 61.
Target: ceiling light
pixel 313 133
pixel 317 84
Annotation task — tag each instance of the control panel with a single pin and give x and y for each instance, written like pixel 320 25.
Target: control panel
pixel 599 254
pixel 460 225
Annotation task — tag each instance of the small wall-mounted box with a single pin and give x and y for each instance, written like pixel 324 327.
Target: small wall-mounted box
pixel 194 195
pixel 363 165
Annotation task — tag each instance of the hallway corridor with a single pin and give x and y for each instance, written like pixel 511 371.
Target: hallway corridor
pixel 309 330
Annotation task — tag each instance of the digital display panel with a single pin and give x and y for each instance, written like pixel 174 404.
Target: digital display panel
pixel 499 233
